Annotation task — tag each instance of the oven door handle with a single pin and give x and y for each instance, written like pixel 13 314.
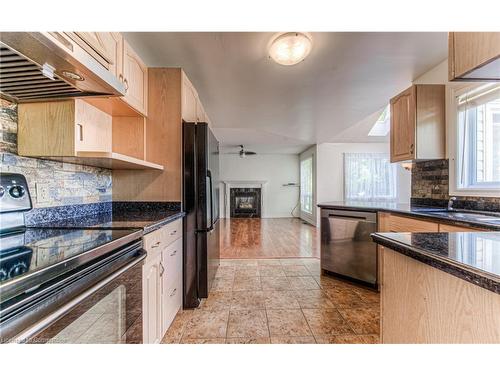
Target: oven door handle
pixel 52 317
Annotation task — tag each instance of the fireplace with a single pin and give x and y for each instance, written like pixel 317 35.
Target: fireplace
pixel 245 202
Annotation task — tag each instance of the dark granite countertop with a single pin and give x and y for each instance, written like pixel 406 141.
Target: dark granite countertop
pixel 471 256
pixel 438 214
pixel 124 215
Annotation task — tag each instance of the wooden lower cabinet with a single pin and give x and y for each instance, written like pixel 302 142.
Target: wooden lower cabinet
pixel 162 281
pixel 457 228
pixel 396 223
pixel 171 293
pixel 422 305
pixel 151 300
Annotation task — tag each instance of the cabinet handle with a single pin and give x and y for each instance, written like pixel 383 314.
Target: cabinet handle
pixel 156 244
pixel 162 269
pixel 412 148
pixel 80 127
pixel 120 77
pixel 126 84
pixel 174 232
pixel 173 292
pixel 173 253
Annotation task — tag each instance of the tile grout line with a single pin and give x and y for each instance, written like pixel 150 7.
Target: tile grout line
pixel 308 325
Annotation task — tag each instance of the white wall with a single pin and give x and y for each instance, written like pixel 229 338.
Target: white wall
pixel 276 169
pixel 330 170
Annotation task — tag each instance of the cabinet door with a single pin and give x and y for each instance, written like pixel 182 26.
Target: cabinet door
pixel 171 299
pixel 151 301
pixel 456 228
pixel 135 78
pixel 189 100
pixel 471 50
pixel 200 112
pixel 403 123
pixel 105 47
pixel 396 223
pixel 93 131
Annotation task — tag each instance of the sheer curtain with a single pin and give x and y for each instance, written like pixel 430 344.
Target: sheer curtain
pixel 369 177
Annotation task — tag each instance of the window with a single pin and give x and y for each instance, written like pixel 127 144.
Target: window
pixel 369 177
pixel 477 164
pixel 383 125
pixel 306 185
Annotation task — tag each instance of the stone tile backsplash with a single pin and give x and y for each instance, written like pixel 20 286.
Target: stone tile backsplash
pixel 63 183
pixel 429 179
pixel 430 186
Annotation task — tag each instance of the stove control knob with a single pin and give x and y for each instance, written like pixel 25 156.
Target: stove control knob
pixel 16 191
pixel 2 191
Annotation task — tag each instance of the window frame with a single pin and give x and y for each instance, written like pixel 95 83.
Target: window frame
pixel 473 188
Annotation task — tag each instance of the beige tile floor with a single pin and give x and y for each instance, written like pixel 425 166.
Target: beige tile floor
pixel 279 301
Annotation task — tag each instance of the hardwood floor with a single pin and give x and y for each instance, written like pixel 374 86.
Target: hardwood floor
pixel 267 238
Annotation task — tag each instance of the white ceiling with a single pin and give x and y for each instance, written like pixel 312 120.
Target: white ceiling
pixel 332 96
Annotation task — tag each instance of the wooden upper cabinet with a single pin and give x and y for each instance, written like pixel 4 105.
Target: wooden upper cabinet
pixel 418 123
pixel 403 126
pixel 135 78
pixel 62 128
pixel 105 47
pixel 200 112
pixel 189 100
pixel 192 108
pixel 474 56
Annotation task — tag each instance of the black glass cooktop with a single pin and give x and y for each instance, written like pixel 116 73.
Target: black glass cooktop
pixel 39 254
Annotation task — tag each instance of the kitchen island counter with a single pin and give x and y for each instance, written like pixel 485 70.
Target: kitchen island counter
pixel 471 256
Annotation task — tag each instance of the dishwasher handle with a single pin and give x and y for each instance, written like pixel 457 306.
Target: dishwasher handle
pixel 350 215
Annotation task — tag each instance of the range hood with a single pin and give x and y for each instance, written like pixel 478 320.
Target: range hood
pixel 49 66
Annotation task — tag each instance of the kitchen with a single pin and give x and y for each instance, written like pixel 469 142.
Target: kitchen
pixel 114 185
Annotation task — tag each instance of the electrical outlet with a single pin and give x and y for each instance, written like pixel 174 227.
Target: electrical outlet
pixel 42 192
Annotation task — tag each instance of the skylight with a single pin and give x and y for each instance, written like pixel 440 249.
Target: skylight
pixel 383 125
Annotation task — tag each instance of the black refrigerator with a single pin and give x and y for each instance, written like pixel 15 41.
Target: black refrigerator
pixel 201 204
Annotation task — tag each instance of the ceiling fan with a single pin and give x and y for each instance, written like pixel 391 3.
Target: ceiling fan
pixel 244 153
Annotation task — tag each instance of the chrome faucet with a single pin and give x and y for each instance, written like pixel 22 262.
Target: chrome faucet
pixel 450 203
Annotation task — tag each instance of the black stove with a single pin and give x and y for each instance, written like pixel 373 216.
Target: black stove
pixel 41 268
pixel 34 256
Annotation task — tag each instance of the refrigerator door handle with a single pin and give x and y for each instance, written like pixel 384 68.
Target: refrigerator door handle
pixel 211 226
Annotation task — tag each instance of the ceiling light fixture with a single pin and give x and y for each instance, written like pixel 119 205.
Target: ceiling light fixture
pixel 290 48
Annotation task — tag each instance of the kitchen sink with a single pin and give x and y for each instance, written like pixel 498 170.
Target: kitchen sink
pixel 465 215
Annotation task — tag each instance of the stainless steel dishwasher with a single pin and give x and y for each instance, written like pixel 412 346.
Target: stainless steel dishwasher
pixel 346 246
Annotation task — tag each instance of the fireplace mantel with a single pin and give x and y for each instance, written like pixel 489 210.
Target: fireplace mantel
pixel 228 184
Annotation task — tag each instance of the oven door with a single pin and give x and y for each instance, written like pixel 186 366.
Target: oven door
pixel 106 312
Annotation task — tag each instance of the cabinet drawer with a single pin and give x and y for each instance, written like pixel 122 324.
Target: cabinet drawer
pixel 405 224
pixel 171 232
pixel 171 283
pixel 171 302
pixel 153 242
pixel 172 261
pixel 457 228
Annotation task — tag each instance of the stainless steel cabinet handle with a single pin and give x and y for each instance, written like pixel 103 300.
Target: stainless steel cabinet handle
pixel 126 84
pixel 156 244
pixel 173 253
pixel 162 269
pixel 174 232
pixel 173 292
